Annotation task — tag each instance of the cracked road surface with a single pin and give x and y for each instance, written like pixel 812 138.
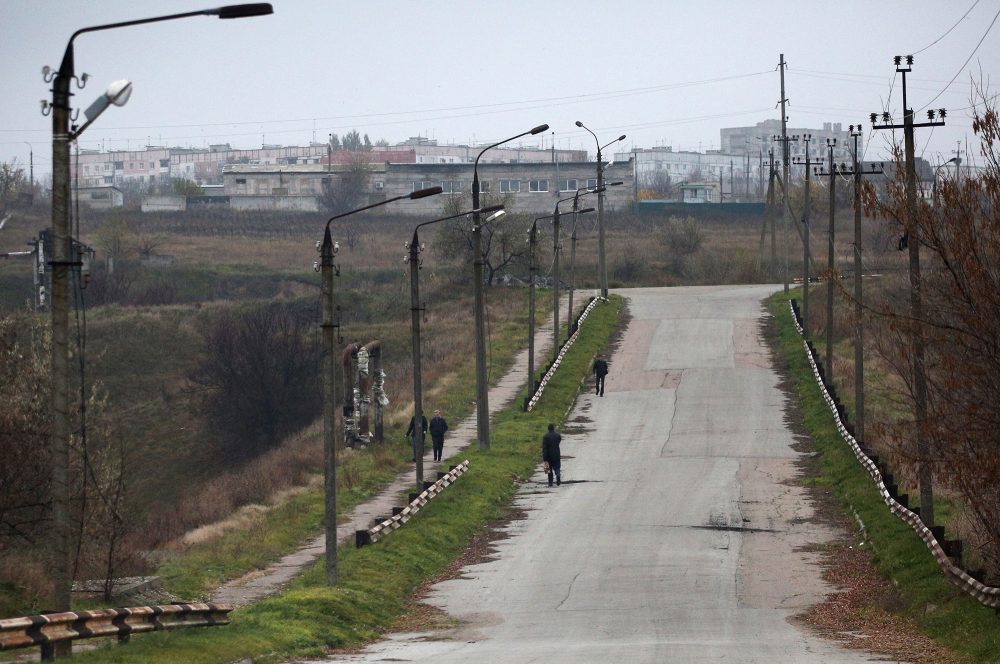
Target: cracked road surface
pixel 678 535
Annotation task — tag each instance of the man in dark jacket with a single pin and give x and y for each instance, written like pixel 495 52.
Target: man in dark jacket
pixel 438 427
pixel 550 452
pixel 600 371
pixel 412 434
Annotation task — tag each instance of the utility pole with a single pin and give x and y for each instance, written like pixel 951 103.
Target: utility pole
pixel 912 242
pixel 806 213
pixel 532 270
pixel 958 151
pixel 784 164
pixel 413 258
pixel 769 207
pixel 555 283
pixel 859 355
pixel 328 249
pixel 831 268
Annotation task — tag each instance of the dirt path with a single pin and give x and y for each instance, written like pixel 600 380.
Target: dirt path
pixel 260 584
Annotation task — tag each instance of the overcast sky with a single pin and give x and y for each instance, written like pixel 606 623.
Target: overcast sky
pixel 459 71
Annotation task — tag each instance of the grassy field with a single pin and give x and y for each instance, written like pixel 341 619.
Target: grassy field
pixel 376 581
pixel 928 599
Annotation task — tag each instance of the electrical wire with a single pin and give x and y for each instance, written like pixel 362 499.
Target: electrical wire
pixel 949 29
pixel 962 68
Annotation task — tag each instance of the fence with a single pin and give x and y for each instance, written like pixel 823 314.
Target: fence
pixel 986 595
pixel 47 629
pixel 417 502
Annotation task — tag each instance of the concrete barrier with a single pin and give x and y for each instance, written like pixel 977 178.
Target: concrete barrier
pixel 47 629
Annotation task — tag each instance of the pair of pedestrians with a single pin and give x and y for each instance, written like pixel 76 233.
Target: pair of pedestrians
pixel 438 427
pixel 551 456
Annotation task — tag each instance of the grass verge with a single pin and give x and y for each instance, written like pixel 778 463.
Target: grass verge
pixel 934 605
pixel 375 582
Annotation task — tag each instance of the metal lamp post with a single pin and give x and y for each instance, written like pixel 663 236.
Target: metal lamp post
pixel 482 388
pixel 62 135
pixel 413 258
pixel 601 262
pixel 327 250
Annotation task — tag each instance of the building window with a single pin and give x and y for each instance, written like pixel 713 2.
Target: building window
pixel 418 185
pixel 451 187
pixel 538 185
pixel 241 180
pixel 592 183
pixel 484 187
pixel 567 185
pixel 510 186
pixel 142 165
pixel 164 163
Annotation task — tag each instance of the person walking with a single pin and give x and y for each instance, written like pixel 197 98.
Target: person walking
pixel 550 454
pixel 600 371
pixel 438 426
pixel 411 432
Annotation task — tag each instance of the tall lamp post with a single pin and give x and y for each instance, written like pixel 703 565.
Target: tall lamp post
pixel 582 191
pixel 482 388
pixel 413 258
pixel 327 250
pixel 62 135
pixel 601 263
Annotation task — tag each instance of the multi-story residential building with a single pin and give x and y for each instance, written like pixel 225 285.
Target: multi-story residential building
pixel 157 165
pixel 757 139
pixel 659 171
pixel 531 188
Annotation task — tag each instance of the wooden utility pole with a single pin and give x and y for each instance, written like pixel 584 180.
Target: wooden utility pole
pixel 912 242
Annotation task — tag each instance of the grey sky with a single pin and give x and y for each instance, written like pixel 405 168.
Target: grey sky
pixel 665 73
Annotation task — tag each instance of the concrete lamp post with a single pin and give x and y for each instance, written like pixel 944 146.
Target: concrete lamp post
pixel 602 272
pixel 327 250
pixel 413 258
pixel 482 388
pixel 532 269
pixel 62 135
pixel 582 191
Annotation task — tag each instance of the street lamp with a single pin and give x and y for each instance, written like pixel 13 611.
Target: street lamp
pixel 934 187
pixel 601 264
pixel 327 250
pixel 582 191
pixel 61 264
pixel 482 389
pixel 413 258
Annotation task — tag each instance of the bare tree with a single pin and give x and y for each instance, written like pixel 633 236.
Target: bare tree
pixel 258 378
pixel 961 291
pixel 349 188
pixel 24 428
pixel 503 241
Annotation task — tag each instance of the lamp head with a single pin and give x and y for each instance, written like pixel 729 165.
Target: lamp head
pixel 118 94
pixel 424 193
pixel 586 210
pixel 579 124
pixel 496 215
pixel 242 11
pixel 622 137
pixel 539 129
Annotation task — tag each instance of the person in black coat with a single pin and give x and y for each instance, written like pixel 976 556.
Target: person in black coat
pixel 412 434
pixel 550 453
pixel 438 426
pixel 600 371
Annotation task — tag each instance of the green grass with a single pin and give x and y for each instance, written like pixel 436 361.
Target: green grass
pixel 375 582
pixel 937 607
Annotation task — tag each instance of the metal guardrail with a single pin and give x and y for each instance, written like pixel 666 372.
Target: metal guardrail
pixel 396 521
pixel 985 595
pixel 533 400
pixel 47 629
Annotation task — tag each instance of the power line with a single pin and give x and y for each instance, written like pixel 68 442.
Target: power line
pixel 962 68
pixel 949 29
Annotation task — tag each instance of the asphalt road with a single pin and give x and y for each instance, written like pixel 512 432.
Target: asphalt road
pixel 677 534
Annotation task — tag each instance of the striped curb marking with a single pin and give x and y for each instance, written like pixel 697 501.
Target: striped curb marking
pixel 986 595
pixel 395 522
pixel 562 352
